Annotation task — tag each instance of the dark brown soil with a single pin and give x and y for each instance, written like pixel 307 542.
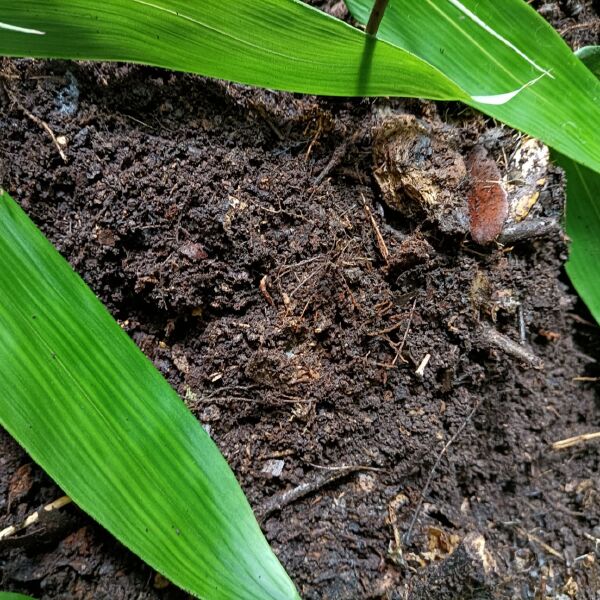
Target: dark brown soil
pixel 240 238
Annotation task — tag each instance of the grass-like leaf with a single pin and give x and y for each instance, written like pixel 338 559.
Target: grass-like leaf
pixel 583 215
pixel 493 48
pixel 13 596
pixel 93 411
pixel 583 227
pixel 279 44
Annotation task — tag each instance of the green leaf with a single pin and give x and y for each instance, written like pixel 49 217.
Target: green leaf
pixel 590 56
pixel 583 215
pixel 13 596
pixel 495 47
pixel 279 44
pixel 92 410
pixel 583 227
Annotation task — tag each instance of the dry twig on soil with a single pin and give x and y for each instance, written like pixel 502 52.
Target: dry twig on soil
pixel 57 141
pixel 381 245
pixel 282 500
pixel 504 343
pixel 536 540
pixel 573 441
pixel 528 229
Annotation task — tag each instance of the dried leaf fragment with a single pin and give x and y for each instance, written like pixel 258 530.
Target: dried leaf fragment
pixel 526 176
pixel 488 203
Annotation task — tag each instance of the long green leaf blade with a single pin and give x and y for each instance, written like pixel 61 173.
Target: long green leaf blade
pixel 583 215
pixel 503 46
pixel 583 227
pixel 89 407
pixel 279 44
pixel 13 596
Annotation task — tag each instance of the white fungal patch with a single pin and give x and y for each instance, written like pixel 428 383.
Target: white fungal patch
pixel 21 29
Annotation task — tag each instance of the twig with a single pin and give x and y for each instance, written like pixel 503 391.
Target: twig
pixel 398 347
pixel 34 517
pixel 376 15
pixel 345 467
pixel 40 123
pixel 522 327
pixel 306 280
pixel 438 460
pixel 592 24
pixel 282 500
pixel 381 245
pixel 334 161
pixel 276 400
pixel 534 538
pixel 389 329
pixel 528 229
pixel 504 343
pixel 573 441
pixel 405 336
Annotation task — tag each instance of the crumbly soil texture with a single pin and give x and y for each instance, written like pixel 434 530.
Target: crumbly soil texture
pixel 245 241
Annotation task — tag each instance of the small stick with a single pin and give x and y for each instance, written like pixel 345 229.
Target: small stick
pixel 504 343
pixel 578 439
pixel 534 538
pixel 405 336
pixel 334 161
pixel 522 328
pixel 381 245
pixel 282 500
pixel 528 229
pixel 376 15
pixel 40 123
pixel 346 467
pixel 34 517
